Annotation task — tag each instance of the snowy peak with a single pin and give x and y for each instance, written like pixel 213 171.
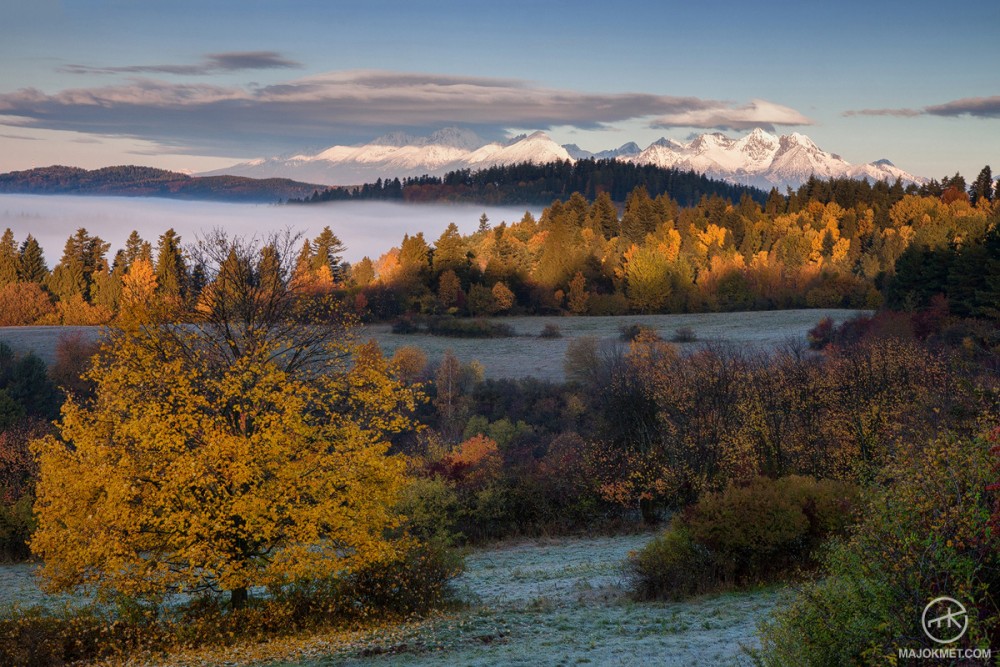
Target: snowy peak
pixel 758 158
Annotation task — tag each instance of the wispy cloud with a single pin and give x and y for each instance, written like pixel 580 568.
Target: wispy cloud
pixel 19 136
pixel 212 63
pixel 978 107
pixel 350 106
pixel 721 116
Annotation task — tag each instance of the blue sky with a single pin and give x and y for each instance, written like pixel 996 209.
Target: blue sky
pixel 200 85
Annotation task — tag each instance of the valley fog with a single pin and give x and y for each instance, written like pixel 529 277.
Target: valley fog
pixel 366 228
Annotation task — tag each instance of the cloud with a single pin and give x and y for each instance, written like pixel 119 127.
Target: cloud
pixel 903 113
pixel 212 63
pixel 978 107
pixel 721 116
pixel 981 107
pixel 19 136
pixel 352 106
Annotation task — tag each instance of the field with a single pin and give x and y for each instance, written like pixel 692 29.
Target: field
pixel 552 602
pixel 528 355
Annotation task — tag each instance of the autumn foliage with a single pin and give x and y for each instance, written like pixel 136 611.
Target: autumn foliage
pixel 248 450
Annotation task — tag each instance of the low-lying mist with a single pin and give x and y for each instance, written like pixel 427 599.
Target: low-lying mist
pixel 366 228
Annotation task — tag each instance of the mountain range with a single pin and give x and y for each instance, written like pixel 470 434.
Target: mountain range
pixel 759 158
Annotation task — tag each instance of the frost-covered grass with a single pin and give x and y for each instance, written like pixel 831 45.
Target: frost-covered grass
pixel 544 602
pixel 527 354
pixel 565 602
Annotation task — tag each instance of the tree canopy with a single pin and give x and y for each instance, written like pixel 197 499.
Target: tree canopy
pixel 248 448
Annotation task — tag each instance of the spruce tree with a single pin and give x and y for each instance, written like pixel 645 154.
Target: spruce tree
pixel 328 250
pixel 171 272
pixel 8 258
pixel 982 187
pixel 31 266
pixel 450 251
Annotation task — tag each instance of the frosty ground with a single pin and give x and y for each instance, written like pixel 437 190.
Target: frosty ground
pixel 564 602
pixel 543 602
pixel 528 355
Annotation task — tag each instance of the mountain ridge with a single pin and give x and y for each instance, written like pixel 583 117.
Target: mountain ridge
pixel 138 181
pixel 759 158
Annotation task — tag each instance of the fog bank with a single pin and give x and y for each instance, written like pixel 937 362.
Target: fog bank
pixel 366 228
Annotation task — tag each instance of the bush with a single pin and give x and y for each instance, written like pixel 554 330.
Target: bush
pixel 672 567
pixel 411 583
pixel 684 335
pixel 744 535
pixel 926 533
pixel 550 331
pixel 404 326
pixel 630 332
pixel 821 335
pixel 475 328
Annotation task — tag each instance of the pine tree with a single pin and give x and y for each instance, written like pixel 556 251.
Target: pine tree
pixel 83 255
pixel 414 254
pixel 171 272
pixel 603 216
pixel 484 223
pixel 363 273
pixel 31 266
pixel 982 187
pixel 8 258
pixel 450 251
pixel 328 250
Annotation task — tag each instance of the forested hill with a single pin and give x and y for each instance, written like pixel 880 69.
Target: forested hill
pixel 133 181
pixel 528 183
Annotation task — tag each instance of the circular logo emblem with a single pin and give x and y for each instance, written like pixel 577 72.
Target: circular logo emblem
pixel 944 620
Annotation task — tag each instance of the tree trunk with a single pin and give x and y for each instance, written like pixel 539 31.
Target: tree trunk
pixel 238 598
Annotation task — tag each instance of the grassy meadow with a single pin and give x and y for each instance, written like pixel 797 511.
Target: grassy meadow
pixel 526 354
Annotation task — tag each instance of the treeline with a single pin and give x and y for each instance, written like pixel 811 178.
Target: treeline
pixel 528 183
pixel 829 244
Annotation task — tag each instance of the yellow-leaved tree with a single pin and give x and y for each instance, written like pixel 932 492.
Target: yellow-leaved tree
pixel 241 444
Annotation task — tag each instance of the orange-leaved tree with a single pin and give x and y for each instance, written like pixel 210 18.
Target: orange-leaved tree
pixel 242 444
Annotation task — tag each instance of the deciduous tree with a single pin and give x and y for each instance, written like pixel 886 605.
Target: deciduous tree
pixel 242 450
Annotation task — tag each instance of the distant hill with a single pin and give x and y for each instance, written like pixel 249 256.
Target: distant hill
pixel 132 181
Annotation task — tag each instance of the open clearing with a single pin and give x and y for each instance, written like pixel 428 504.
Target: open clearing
pixel 563 602
pixel 528 355
pixel 543 602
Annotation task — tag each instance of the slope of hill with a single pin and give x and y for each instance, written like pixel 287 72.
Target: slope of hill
pixel 132 181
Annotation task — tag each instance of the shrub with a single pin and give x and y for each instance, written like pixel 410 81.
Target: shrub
pixel 430 506
pixel 925 533
pixel 630 332
pixel 684 335
pixel 475 328
pixel 821 335
pixel 409 364
pixel 73 354
pixel 672 567
pixel 405 325
pixel 744 535
pixel 550 331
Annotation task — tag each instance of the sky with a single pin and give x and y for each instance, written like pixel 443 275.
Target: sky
pixel 200 85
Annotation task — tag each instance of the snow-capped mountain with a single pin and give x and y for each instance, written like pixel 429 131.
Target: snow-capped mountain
pixel 401 155
pixel 758 158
